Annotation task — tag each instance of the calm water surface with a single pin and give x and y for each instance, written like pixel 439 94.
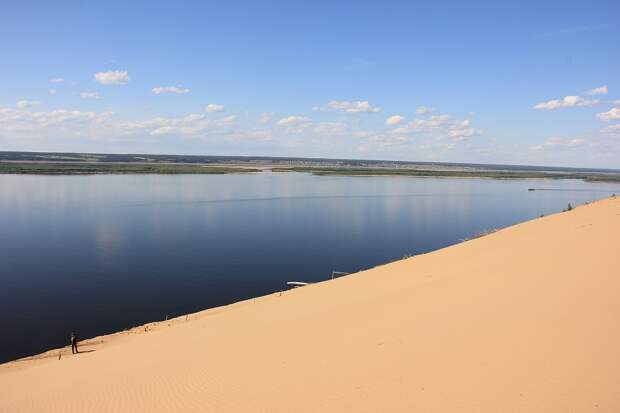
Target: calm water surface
pixel 97 254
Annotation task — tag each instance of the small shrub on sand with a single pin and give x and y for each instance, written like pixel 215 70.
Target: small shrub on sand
pixel 568 208
pixel 481 234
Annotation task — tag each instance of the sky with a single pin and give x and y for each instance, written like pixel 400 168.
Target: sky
pixel 528 82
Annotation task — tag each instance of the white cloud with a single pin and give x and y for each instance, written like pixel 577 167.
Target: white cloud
pixel 214 107
pixel 441 126
pixel 193 124
pixel 434 122
pixel 112 77
pixel 103 125
pixel 424 110
pixel 559 143
pixel 330 128
pixel 68 123
pixel 295 124
pixel 293 120
pixel 346 106
pixel 229 120
pixel 61 124
pixel 462 130
pixel 378 142
pixel 613 130
pixel 57 80
pixel 90 95
pixel 260 135
pixel 24 104
pixel 188 125
pixel 394 120
pixel 170 89
pixel 266 117
pixel 256 135
pixel 566 102
pixel 612 114
pixel 601 90
pixel 51 91
pixel 616 102
pixel 431 138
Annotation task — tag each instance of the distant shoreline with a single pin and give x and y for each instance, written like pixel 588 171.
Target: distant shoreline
pixel 171 168
pixel 50 163
pixel 456 173
pixel 115 168
pixel 276 161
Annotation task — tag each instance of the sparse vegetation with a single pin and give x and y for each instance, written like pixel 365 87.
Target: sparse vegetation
pixel 453 173
pixel 481 234
pixel 91 168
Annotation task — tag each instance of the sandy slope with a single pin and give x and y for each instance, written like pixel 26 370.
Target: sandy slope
pixel 523 320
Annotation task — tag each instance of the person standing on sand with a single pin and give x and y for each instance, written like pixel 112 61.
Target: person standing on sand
pixel 74 340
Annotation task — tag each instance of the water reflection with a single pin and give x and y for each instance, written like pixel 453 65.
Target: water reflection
pixel 109 239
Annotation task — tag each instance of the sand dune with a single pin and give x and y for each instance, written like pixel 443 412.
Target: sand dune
pixel 523 320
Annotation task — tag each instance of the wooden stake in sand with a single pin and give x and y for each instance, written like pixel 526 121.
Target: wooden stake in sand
pixel 335 273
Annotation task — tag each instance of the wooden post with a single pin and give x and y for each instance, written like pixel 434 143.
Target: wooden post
pixel 334 273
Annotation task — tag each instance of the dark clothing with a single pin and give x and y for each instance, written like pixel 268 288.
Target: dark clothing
pixel 74 347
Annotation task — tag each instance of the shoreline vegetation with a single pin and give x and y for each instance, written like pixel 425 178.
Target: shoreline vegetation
pixel 435 173
pixel 93 168
pixel 50 163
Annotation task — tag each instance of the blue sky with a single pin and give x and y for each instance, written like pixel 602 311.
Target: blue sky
pixel 497 82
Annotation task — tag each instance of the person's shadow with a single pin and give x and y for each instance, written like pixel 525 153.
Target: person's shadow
pixel 84 351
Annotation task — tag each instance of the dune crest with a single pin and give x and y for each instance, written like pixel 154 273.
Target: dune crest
pixel 522 320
